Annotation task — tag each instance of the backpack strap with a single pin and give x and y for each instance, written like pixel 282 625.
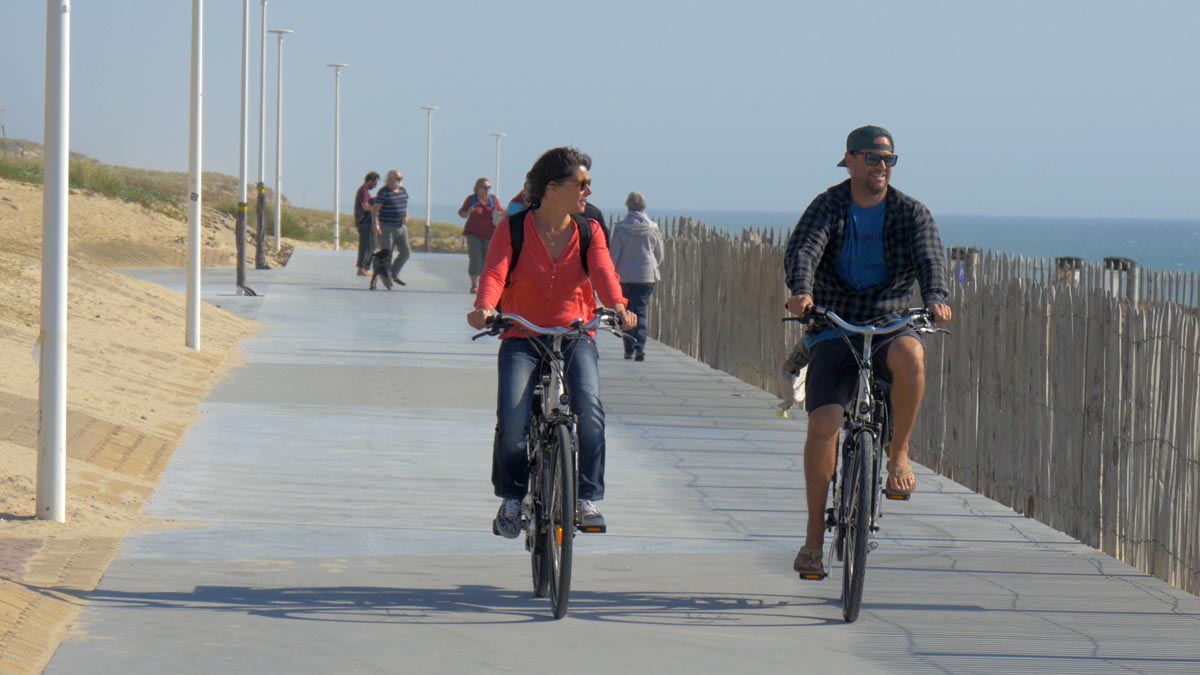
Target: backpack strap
pixel 585 239
pixel 516 232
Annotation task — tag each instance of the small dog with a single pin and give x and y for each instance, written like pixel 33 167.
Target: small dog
pixel 380 263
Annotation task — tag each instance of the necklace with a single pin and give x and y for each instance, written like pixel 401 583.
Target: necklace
pixel 555 241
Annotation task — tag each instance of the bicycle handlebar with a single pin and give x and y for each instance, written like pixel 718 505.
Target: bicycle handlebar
pixel 917 318
pixel 605 318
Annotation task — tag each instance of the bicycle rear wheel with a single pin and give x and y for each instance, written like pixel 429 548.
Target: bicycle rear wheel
pixel 559 511
pixel 856 515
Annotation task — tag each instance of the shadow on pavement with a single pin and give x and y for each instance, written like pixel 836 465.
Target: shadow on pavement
pixel 474 604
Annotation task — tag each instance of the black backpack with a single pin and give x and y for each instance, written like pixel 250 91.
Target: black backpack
pixel 516 230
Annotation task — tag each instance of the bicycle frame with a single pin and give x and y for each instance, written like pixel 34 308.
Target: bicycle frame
pixel 853 515
pixel 553 381
pixel 868 410
pixel 549 505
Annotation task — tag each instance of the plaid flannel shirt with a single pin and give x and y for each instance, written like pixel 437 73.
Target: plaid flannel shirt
pixel 912 251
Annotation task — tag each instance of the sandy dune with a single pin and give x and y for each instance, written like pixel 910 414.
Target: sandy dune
pixel 133 389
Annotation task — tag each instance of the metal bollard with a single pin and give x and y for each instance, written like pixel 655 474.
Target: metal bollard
pixel 1068 269
pixel 963 262
pixel 1118 269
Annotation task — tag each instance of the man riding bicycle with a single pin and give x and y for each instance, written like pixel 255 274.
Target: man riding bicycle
pixel 857 250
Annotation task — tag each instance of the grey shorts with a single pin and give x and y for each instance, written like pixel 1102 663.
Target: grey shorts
pixel 833 370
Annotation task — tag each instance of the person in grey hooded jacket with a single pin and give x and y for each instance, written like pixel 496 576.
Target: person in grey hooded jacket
pixel 637 251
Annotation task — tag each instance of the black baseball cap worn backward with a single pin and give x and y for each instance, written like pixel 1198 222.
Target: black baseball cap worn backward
pixel 863 138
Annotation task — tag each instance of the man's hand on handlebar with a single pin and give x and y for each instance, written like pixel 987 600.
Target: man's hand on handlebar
pixel 800 304
pixel 939 312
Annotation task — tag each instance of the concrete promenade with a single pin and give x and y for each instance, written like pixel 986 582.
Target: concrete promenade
pixel 331 514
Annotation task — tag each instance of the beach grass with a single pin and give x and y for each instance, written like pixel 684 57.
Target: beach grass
pixel 167 192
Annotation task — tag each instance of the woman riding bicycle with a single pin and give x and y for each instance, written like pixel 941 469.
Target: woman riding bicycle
pixel 550 286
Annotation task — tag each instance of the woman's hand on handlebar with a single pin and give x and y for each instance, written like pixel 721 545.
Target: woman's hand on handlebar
pixel 627 318
pixel 478 318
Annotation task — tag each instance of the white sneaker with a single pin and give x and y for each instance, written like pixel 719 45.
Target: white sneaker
pixel 508 519
pixel 589 515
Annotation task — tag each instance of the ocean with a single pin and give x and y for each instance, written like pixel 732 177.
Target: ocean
pixel 1154 243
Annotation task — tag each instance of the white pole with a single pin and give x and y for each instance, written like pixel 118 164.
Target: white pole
pixel 243 151
pixel 52 394
pixel 280 32
pixel 337 150
pixel 428 167
pixel 194 178
pixel 260 261
pixel 262 95
pixel 496 180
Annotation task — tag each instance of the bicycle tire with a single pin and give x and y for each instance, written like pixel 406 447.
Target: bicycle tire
pixel 539 560
pixel 559 507
pixel 857 513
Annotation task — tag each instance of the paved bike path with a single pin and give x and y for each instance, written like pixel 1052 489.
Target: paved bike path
pixel 331 513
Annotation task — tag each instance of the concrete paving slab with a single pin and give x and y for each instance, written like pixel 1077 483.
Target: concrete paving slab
pixel 334 506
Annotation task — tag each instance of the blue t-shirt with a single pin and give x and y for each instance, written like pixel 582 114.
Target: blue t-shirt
pixel 861 262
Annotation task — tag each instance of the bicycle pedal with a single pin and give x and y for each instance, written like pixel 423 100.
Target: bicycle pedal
pixel 872 545
pixel 897 496
pixel 594 529
pixel 814 576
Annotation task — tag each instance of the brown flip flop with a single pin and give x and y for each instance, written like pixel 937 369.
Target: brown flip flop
pixel 899 473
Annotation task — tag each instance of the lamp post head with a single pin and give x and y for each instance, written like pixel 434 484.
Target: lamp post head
pixel 337 65
pixel 280 31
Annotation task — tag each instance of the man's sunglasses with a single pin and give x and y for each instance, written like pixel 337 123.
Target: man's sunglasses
pixel 873 159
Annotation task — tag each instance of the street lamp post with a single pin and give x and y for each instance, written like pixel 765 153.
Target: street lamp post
pixel 496 180
pixel 260 261
pixel 428 167
pixel 243 153
pixel 337 150
pixel 52 343
pixel 196 175
pixel 280 32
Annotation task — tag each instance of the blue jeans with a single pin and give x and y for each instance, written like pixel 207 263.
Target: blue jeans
pixel 519 363
pixel 638 295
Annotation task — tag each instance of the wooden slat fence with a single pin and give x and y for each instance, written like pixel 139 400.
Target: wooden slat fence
pixel 1055 394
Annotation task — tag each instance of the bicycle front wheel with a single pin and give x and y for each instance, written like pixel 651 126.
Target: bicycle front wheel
pixel 856 507
pixel 559 510
pixel 539 559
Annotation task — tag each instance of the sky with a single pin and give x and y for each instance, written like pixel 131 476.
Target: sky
pixel 1022 107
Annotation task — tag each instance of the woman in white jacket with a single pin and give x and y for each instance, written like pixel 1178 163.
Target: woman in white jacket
pixel 637 252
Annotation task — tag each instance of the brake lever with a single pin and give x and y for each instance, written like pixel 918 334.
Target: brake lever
pixel 612 325
pixel 495 327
